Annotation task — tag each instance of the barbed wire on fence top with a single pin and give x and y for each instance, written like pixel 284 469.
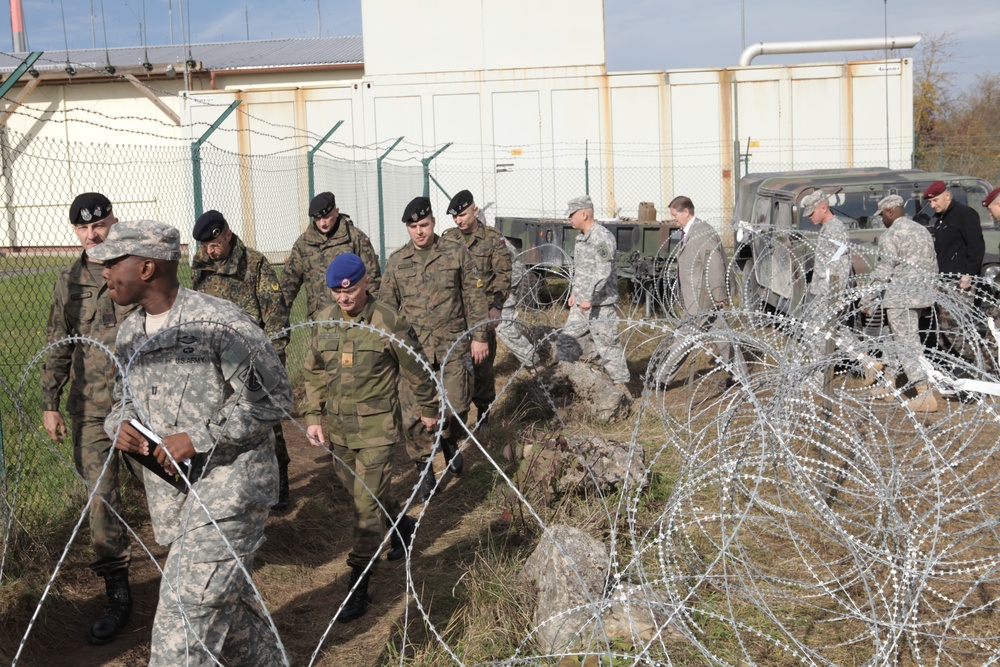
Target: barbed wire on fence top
pixel 807 520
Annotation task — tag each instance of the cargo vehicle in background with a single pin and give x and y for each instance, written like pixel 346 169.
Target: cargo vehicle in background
pixel 774 242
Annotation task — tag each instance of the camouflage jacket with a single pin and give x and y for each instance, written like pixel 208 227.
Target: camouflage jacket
pixel 440 298
pixel 826 269
pixel 354 372
pixel 595 278
pixel 311 255
pixel 247 279
pixel 906 266
pixel 492 259
pixel 212 373
pixel 81 306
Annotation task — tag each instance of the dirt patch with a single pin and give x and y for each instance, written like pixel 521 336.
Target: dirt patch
pixel 300 571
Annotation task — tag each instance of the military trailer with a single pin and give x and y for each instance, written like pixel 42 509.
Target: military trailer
pixel 773 252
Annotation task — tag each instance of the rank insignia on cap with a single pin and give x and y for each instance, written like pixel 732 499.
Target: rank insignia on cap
pixel 85 214
pixel 97 212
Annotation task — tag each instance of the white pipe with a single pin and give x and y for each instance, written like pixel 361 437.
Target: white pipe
pixel 820 45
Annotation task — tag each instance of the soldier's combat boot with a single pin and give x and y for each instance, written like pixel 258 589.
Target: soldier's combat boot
pixel 399 539
pixel 117 611
pixel 427 483
pixel 282 503
pixel 357 603
pixel 483 415
pixel 456 463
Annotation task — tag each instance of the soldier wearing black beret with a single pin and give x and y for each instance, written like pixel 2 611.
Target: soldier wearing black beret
pixel 494 267
pixel 227 268
pixel 86 368
pixel 434 283
pixel 329 234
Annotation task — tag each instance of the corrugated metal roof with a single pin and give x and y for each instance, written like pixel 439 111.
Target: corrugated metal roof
pixel 258 54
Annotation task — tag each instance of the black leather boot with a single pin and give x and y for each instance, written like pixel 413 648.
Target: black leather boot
pixel 282 503
pixel 483 417
pixel 454 457
pixel 357 603
pixel 426 489
pixel 117 611
pixel 399 539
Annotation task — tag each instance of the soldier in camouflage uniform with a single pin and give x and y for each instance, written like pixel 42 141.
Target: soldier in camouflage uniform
pixel 206 380
pixel 432 282
pixel 831 274
pixel 593 293
pixel 509 332
pixel 493 267
pixel 81 306
pixel 226 268
pixel 330 233
pixel 906 264
pixel 355 373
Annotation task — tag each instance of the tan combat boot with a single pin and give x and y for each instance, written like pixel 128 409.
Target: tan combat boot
pixel 871 369
pixel 925 401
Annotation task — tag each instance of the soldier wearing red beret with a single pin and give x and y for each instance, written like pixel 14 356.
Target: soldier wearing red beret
pixel 992 204
pixel 958 235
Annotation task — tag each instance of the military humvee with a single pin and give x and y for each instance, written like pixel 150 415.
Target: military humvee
pixel 546 245
pixel 772 253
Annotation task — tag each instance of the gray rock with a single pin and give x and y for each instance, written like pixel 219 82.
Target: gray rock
pixel 637 615
pixel 586 391
pixel 570 583
pixel 593 462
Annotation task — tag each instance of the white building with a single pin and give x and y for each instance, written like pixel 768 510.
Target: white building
pixel 530 119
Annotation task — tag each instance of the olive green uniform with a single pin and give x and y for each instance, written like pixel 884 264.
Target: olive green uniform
pixel 354 373
pixel 81 306
pixel 438 293
pixel 494 269
pixel 247 279
pixel 311 255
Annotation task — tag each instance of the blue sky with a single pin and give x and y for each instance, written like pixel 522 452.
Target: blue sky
pixel 640 34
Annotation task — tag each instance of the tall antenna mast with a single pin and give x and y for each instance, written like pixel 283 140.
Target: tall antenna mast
pixel 18 35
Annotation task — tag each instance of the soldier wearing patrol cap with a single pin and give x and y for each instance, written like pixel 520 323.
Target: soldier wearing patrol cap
pixel 593 293
pixel 82 306
pixel 492 261
pixel 207 382
pixel 330 233
pixel 227 268
pixel 432 282
pixel 905 270
pixel 357 361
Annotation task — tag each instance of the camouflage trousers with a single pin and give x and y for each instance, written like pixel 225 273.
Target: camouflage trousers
pixel 510 334
pixel 420 441
pixel 602 324
pixel 366 473
pixel 91 447
pixel 207 614
pixel 484 383
pixel 905 325
pixel 682 347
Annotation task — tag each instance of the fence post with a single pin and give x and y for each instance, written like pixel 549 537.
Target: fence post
pixel 199 206
pixel 586 167
pixel 426 162
pixel 381 205
pixel 310 159
pixel 19 72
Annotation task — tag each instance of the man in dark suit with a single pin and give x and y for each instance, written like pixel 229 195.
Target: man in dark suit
pixel 703 289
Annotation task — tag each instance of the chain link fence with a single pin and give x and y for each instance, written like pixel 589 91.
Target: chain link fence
pixel 265 198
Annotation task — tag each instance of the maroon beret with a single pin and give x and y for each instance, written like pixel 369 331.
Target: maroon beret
pixel 934 189
pixel 991 196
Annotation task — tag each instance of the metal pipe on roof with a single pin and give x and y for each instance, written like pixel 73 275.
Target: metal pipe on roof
pixel 19 36
pixel 824 45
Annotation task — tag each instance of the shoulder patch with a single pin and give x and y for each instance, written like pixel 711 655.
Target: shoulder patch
pixel 603 251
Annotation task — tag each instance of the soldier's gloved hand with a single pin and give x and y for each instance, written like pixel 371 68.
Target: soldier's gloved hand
pixel 54 424
pixel 316 436
pixel 180 447
pixel 130 440
pixel 495 314
pixel 480 351
pixel 430 423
